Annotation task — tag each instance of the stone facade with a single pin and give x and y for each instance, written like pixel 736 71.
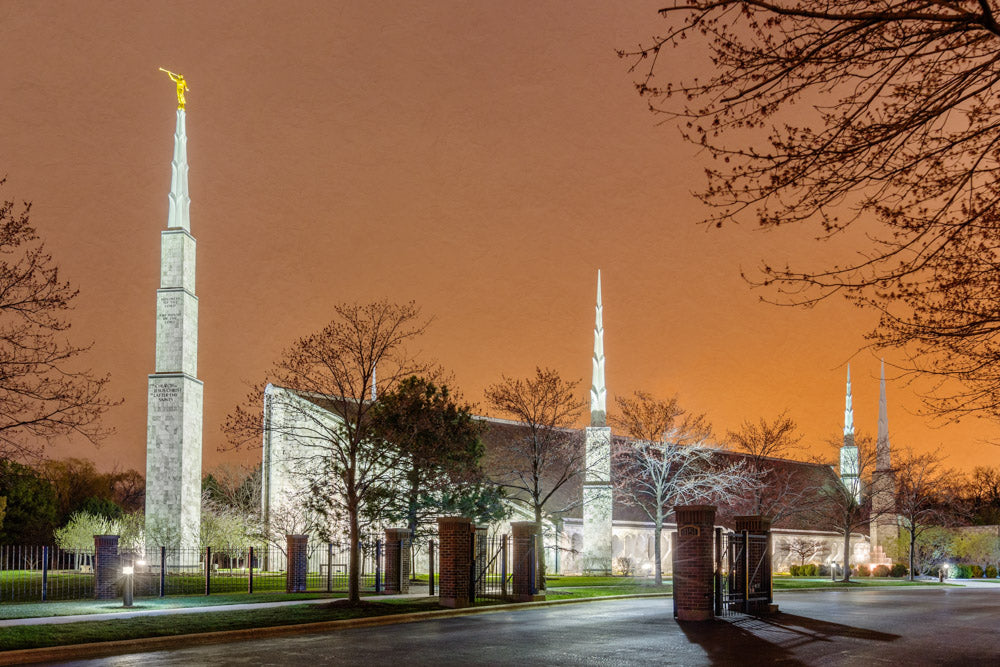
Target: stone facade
pixel 175 396
pixel 597 502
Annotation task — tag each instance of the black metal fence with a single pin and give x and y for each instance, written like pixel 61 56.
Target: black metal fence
pixel 38 574
pixel 491 572
pixel 742 573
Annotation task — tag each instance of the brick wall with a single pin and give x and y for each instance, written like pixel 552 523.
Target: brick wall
pixel 397 560
pixel 107 567
pixel 295 577
pixel 455 561
pixel 694 562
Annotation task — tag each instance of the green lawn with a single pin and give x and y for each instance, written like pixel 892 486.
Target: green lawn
pixel 791 583
pixel 81 607
pixel 157 626
pixel 26 585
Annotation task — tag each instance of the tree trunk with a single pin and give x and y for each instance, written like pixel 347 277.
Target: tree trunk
pixel 539 550
pixel 913 546
pixel 847 555
pixel 657 553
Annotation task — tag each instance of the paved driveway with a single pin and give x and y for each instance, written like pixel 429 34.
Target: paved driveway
pixel 860 627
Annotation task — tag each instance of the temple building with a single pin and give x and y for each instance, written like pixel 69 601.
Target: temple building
pixel 588 529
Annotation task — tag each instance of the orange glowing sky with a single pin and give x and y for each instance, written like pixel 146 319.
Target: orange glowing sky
pixel 483 159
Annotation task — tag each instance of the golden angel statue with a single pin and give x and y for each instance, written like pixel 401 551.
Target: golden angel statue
pixel 181 86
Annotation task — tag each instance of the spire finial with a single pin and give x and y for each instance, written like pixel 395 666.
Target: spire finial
pixel 598 392
pixel 848 407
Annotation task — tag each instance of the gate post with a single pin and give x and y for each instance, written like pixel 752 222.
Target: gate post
pixel 106 567
pixel 524 535
pixel 455 561
pixel 295 575
pixel 693 562
pixel 718 572
pixel 397 560
pixel 757 560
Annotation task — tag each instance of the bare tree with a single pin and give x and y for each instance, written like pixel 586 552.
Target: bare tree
pixel 542 455
pixel 327 411
pixel 925 492
pixel 44 394
pixel 667 460
pixel 803 548
pixel 844 113
pixel 849 506
pixel 779 492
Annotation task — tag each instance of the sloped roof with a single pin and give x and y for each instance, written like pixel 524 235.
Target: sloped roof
pixel 806 478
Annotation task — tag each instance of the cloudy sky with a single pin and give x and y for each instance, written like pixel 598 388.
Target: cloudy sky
pixel 483 159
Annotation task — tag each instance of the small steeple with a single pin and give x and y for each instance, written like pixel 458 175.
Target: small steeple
pixel 849 408
pixel 178 199
pixel 374 386
pixel 598 392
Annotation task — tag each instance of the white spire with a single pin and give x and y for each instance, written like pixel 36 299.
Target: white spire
pixel 882 456
pixel 374 385
pixel 598 392
pixel 178 200
pixel 848 407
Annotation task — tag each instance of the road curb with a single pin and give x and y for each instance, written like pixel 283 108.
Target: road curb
pixel 104 649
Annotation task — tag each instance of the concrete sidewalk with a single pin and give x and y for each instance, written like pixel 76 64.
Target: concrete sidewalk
pixel 114 615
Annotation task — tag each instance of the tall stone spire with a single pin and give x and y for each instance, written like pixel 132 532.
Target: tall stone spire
pixel 883 529
pixel 849 463
pixel 597 500
pixel 174 417
pixel 883 458
pixel 849 408
pixel 598 392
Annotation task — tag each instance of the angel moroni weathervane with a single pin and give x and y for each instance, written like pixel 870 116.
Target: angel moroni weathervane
pixel 174 417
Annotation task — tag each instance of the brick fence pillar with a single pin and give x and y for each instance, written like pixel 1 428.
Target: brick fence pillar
pixel 524 535
pixel 298 563
pixel 397 560
pixel 757 551
pixel 107 567
pixel 455 561
pixel 694 563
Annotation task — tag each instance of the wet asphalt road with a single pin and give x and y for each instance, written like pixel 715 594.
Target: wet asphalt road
pixel 953 626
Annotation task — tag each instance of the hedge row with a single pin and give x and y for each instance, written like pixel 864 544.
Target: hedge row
pixel 814 570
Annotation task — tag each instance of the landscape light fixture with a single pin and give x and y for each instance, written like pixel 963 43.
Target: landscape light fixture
pixel 127 571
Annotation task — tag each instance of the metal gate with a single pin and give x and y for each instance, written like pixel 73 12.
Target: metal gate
pixel 490 573
pixel 742 572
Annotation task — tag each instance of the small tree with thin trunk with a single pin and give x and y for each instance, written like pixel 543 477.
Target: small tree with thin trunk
pixel 328 412
pixel 667 460
pixel 803 548
pixel 924 494
pixel 544 455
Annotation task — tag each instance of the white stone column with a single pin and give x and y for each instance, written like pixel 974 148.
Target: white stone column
pixel 174 416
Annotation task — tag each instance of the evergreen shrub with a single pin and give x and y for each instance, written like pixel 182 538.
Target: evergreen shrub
pixel 975 572
pixel 795 570
pixel 991 572
pixel 863 571
pixel 898 570
pixel 881 571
